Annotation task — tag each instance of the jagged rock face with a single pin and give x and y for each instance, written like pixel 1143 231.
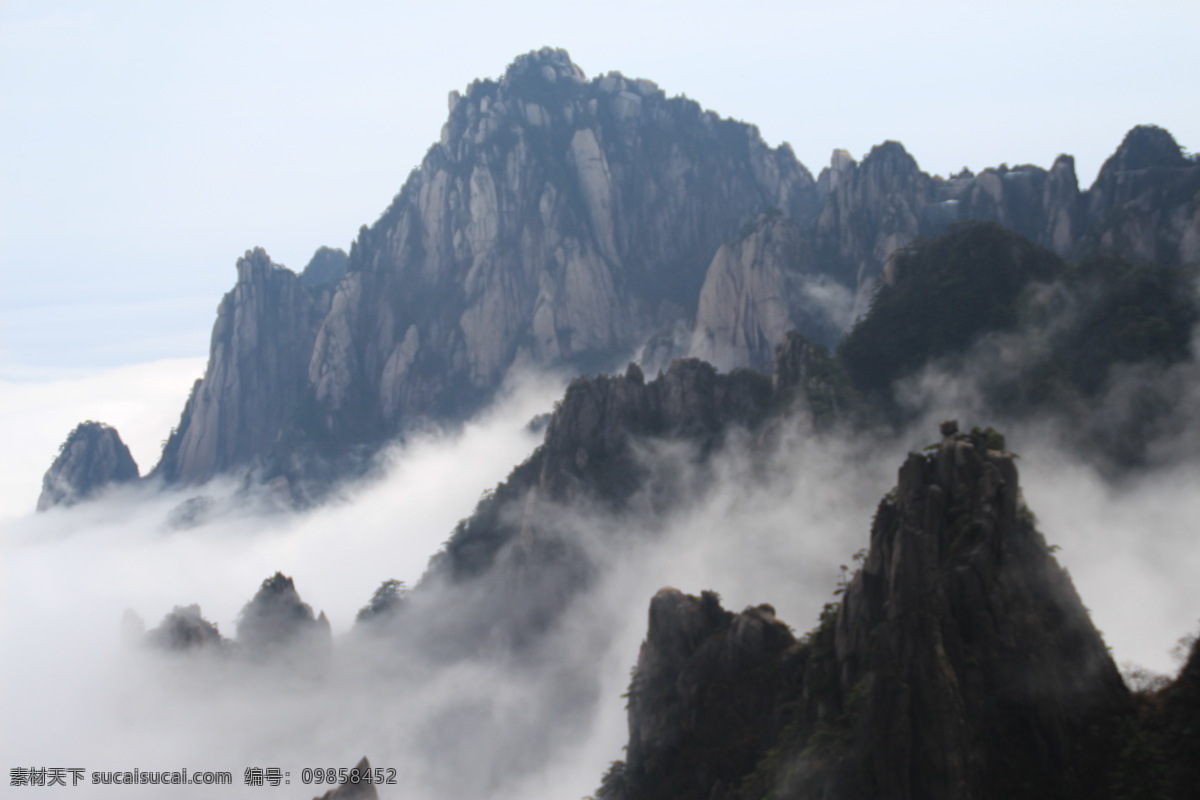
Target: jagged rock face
pixel 959 664
pixel 1143 206
pixel 982 674
pixel 276 623
pixel 557 221
pixel 1145 203
pixel 255 379
pixel 702 704
pixel 567 222
pixel 871 210
pixel 760 286
pixel 594 443
pixel 92 458
pixel 602 453
pixel 589 436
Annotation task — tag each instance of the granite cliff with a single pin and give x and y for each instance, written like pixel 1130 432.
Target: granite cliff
pixel 567 223
pixel 959 663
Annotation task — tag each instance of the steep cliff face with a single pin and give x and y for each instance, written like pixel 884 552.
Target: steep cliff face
pixel 760 286
pixel 868 212
pixel 960 663
pixel 703 704
pixel 92 459
pixel 557 221
pixel 1145 203
pixel 255 379
pixel 571 223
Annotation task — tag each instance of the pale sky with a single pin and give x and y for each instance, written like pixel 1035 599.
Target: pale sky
pixel 147 145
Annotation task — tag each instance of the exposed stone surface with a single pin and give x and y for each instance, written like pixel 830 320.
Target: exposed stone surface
pixel 959 664
pixel 557 221
pixel 702 706
pixel 1145 203
pixel 567 222
pixel 255 380
pixel 870 211
pixel 92 459
pixel 760 286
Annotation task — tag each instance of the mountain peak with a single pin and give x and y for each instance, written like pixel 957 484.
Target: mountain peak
pixel 1144 147
pixel 92 458
pixel 548 64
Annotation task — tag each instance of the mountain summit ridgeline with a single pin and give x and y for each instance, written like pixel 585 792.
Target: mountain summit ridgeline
pixel 562 222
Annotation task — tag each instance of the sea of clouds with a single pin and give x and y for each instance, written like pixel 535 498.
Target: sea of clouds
pixel 773 527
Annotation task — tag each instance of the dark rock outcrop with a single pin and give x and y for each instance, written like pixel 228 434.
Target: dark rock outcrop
pixel 92 459
pixel 938 298
pixel 277 624
pixel 1145 203
pixel 186 630
pixel 619 447
pixel 702 706
pixel 960 663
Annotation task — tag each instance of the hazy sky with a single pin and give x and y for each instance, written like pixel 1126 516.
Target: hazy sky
pixel 146 145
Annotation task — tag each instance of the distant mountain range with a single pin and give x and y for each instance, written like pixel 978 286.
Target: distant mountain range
pixel 572 224
pixel 730 301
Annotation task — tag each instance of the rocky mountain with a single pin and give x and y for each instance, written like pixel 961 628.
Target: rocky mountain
pixel 959 663
pixel 514 555
pixel 185 629
pixel 256 373
pixel 274 627
pixel 277 624
pixel 562 222
pixel 92 459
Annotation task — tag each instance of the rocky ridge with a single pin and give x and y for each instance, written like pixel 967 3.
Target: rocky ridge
pixel 274 627
pixel 960 663
pixel 254 382
pixel 563 222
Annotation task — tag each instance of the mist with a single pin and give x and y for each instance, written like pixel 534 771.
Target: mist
pixel 771 518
